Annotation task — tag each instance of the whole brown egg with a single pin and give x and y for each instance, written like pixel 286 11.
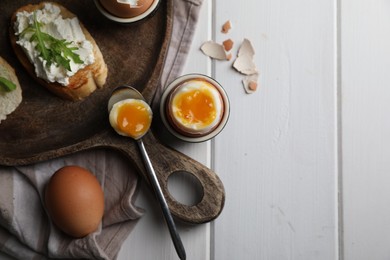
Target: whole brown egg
pixel 125 10
pixel 75 201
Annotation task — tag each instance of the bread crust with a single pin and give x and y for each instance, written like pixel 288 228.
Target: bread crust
pixel 81 84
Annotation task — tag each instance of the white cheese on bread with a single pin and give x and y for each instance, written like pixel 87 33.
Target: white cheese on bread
pixel 55 25
pixel 9 100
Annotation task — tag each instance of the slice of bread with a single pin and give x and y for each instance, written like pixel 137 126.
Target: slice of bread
pixel 84 82
pixel 9 100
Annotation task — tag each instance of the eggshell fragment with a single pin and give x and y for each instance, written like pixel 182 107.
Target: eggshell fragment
pixel 214 50
pixel 245 65
pixel 250 83
pixel 229 56
pixel 226 27
pixel 228 44
pixel 244 62
pixel 246 48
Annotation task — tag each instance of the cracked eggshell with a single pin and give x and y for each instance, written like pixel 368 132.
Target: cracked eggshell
pixel 228 44
pixel 246 48
pixel 245 65
pixel 250 83
pixel 214 50
pixel 226 27
pixel 244 62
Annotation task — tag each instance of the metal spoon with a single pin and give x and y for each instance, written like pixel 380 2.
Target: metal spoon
pixel 125 92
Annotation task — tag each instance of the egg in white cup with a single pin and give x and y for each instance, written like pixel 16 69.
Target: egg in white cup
pixel 194 108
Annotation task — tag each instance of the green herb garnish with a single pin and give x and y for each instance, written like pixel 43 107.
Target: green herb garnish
pixel 54 51
pixel 6 85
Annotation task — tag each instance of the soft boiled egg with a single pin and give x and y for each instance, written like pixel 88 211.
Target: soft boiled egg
pixel 195 107
pixel 131 117
pixel 126 8
pixel 75 201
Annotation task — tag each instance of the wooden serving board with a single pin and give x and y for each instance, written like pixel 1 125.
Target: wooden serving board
pixel 45 127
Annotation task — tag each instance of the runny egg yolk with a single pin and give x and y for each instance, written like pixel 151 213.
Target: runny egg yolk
pixel 133 117
pixel 196 106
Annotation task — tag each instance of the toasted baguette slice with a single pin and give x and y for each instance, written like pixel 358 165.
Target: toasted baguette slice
pixel 84 82
pixel 9 101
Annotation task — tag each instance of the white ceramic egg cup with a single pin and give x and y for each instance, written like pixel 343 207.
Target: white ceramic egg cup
pixel 176 83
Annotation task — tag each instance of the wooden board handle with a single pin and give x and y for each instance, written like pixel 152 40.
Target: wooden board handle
pixel 167 161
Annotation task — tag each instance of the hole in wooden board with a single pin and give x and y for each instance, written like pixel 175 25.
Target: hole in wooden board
pixel 185 188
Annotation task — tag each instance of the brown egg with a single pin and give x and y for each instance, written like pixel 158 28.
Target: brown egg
pixel 75 201
pixel 124 10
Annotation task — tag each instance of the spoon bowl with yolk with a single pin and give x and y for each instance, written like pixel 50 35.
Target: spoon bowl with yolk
pixel 131 117
pixel 129 114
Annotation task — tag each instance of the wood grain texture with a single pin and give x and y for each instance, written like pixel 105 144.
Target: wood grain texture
pixel 46 127
pixel 43 122
pixel 278 154
pixel 365 60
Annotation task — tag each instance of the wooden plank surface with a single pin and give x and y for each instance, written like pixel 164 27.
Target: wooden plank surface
pixel 365 128
pixel 278 155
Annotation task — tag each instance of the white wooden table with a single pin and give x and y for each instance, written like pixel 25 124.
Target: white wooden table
pixel 306 159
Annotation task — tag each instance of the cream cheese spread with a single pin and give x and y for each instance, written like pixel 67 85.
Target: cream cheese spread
pixel 9 100
pixel 55 25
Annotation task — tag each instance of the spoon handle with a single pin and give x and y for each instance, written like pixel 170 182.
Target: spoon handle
pixel 164 206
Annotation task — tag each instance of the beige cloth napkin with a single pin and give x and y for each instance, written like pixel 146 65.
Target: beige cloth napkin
pixel 25 229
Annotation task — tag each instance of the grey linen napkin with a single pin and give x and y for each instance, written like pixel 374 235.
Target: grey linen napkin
pixel 26 231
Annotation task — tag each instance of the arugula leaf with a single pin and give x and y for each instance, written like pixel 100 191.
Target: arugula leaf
pixel 52 50
pixel 41 44
pixel 6 85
